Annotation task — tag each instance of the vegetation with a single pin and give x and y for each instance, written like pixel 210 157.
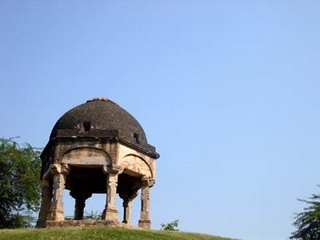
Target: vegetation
pixel 308 221
pixel 96 233
pixel 19 183
pixel 171 226
pixel 88 216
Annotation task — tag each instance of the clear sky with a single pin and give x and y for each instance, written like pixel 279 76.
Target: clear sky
pixel 228 92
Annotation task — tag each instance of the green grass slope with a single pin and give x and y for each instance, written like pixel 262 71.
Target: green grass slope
pixel 95 233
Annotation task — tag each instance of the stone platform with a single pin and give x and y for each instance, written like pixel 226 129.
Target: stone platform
pixel 88 223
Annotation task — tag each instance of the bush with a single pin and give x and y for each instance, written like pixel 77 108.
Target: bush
pixel 171 226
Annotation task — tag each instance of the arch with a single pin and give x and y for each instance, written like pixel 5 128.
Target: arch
pixel 136 164
pixel 86 156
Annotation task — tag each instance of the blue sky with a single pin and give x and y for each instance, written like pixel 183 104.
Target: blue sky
pixel 228 92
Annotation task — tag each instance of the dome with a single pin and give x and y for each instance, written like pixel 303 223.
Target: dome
pixel 102 114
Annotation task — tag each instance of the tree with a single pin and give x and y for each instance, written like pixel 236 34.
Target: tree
pixel 19 183
pixel 308 221
pixel 171 226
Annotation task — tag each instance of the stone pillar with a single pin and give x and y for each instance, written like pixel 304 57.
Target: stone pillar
pixel 110 212
pixel 127 197
pixel 80 203
pixel 79 208
pixel 144 221
pixel 59 173
pixel 46 196
pixel 127 203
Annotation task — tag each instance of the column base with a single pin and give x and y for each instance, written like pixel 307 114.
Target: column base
pixel 146 224
pixel 110 215
pixel 126 222
pixel 56 217
pixel 56 214
pixel 41 224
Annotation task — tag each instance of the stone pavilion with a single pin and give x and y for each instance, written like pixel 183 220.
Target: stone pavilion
pixel 97 147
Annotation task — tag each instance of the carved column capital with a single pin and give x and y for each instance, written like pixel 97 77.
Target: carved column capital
pixel 151 182
pixel 128 196
pixel 147 181
pixel 116 169
pixel 133 196
pixel 106 169
pixel 81 195
pixel 65 169
pixel 59 169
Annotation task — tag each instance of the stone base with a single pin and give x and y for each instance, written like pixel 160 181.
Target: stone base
pixel 80 223
pixel 146 224
pixel 56 214
pixel 41 224
pixel 110 215
pixel 86 223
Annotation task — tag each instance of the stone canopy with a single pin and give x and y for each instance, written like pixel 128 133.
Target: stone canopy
pixel 97 147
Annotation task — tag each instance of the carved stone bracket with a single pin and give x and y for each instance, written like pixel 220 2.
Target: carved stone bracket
pixel 116 169
pixel 56 169
pixel 147 181
pixel 106 169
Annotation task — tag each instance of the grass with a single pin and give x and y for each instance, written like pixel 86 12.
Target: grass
pixel 97 233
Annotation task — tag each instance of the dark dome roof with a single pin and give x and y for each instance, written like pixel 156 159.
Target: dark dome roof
pixel 102 114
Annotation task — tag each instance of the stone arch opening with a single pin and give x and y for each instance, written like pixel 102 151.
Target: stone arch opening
pixel 83 183
pixel 136 165
pixel 128 187
pixel 88 173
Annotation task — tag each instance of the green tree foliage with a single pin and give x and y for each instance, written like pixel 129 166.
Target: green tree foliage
pixel 19 183
pixel 308 221
pixel 171 226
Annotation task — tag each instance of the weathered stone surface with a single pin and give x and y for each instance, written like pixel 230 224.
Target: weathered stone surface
pixel 83 223
pixel 96 147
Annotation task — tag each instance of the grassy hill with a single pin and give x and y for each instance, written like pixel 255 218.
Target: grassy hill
pixel 95 233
